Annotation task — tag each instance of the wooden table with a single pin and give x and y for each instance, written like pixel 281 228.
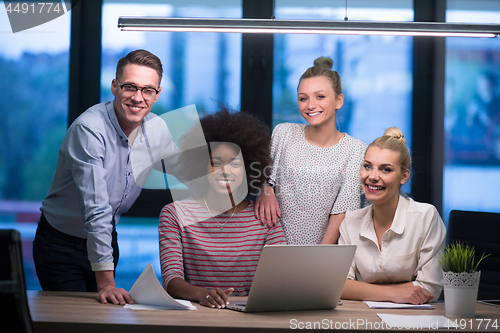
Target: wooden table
pixel 72 312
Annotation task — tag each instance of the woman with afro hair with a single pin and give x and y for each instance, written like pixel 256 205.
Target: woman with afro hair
pixel 210 243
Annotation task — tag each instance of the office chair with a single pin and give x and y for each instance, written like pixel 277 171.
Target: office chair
pixel 14 311
pixel 481 230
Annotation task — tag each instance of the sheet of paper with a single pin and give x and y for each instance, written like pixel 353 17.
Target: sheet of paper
pixel 154 307
pixel 148 293
pixel 416 322
pixel 391 305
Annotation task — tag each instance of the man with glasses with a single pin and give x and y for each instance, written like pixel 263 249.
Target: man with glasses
pixel 75 247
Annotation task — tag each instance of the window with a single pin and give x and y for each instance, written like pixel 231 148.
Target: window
pixel 33 119
pixel 199 68
pixel 472 114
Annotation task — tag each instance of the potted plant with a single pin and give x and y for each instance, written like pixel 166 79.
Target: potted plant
pixel 461 279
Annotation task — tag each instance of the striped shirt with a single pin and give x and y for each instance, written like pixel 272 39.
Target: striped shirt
pixel 193 246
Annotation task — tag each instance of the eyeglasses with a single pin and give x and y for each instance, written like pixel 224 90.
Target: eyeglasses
pixel 131 89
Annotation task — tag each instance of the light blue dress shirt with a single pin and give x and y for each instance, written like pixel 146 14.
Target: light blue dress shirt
pixel 94 181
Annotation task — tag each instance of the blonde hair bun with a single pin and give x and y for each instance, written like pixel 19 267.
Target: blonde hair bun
pixel 393 139
pixel 395 133
pixel 324 62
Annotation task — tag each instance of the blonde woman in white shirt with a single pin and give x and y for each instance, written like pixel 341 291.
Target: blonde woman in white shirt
pixel 398 240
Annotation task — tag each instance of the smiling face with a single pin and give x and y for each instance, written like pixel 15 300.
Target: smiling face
pixel 131 108
pixel 381 175
pixel 318 102
pixel 226 170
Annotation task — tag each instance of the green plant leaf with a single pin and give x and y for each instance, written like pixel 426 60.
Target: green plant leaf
pixel 459 257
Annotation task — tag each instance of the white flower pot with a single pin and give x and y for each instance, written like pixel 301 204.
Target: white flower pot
pixel 460 293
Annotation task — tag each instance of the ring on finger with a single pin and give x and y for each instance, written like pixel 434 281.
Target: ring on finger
pixel 208 296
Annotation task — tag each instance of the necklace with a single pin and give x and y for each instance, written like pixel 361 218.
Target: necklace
pixel 220 225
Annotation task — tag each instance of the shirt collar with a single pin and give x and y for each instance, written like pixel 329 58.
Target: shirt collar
pixel 114 120
pixel 367 230
pixel 398 224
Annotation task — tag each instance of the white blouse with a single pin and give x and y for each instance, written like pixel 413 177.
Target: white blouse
pixel 410 247
pixel 311 183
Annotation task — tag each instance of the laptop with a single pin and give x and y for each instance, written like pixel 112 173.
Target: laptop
pixel 298 277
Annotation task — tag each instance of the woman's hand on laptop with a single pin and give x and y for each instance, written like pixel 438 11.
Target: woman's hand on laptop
pixel 214 298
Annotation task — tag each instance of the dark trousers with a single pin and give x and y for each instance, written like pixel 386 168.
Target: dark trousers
pixel 61 260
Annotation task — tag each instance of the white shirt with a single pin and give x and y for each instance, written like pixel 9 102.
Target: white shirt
pixel 410 247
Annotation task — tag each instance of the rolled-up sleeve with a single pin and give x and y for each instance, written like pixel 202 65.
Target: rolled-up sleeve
pixel 85 158
pixel 429 274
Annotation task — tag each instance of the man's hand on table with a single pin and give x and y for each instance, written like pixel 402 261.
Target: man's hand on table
pixel 108 291
pixel 114 295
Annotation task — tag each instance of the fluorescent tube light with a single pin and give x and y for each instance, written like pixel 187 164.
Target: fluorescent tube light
pixel 308 27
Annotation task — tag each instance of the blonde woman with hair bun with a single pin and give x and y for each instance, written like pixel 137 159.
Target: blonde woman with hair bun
pixel 314 178
pixel 398 240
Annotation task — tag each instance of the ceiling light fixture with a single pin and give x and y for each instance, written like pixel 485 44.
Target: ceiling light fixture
pixel 308 27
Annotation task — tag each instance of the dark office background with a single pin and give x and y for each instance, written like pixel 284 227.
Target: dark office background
pixel 443 93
